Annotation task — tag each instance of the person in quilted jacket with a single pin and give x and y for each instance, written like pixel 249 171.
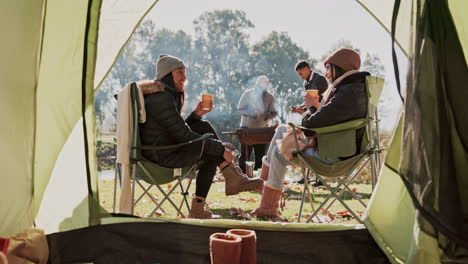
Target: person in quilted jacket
pixel 345 100
pixel 165 126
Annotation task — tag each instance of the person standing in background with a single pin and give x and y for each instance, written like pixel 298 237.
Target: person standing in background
pixel 312 81
pixel 257 107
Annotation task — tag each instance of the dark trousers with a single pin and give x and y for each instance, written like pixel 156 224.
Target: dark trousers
pixel 207 170
pixel 246 150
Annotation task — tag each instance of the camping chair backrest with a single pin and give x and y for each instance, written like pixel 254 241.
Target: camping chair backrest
pixel 340 140
pixel 135 151
pixel 374 86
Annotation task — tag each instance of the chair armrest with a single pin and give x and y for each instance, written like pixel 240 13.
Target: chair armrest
pixel 202 138
pixel 353 124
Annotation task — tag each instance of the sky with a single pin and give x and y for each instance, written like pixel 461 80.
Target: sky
pixel 315 25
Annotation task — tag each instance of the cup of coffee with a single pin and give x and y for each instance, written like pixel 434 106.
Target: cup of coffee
pixel 206 101
pixel 312 93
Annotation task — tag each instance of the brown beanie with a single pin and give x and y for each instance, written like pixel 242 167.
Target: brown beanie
pixel 166 64
pixel 346 59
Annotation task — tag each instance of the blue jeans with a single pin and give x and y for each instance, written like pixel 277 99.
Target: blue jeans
pixel 278 164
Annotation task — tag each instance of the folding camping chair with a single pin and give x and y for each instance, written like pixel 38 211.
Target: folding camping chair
pixel 152 173
pixel 339 141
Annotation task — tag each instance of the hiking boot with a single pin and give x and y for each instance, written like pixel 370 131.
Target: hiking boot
pixel 198 210
pixel 269 204
pixel 237 181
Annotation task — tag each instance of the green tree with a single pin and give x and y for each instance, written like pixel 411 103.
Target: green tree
pixel 222 62
pixel 223 59
pixel 275 56
pixel 138 61
pixel 125 70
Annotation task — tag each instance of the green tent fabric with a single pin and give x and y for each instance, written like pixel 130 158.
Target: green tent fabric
pixel 59 52
pixel 434 163
pixel 21 26
pixel 420 190
pixel 49 63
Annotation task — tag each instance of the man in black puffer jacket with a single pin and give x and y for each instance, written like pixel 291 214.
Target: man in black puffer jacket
pixel 165 126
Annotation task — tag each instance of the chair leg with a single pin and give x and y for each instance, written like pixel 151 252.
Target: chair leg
pixel 338 198
pixel 324 202
pixel 166 195
pixel 305 175
pixel 349 182
pixel 341 193
pixel 146 191
pixel 133 186
pixel 184 192
pixel 306 172
pixel 115 186
pixel 184 197
pixel 310 196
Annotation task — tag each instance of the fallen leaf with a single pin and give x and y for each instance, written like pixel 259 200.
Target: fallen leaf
pixel 159 213
pixel 285 182
pixel 251 200
pixel 169 186
pixel 241 214
pixel 218 180
pixel 322 219
pixel 354 189
pixel 344 214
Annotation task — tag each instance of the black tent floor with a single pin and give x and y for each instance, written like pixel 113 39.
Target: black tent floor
pixel 160 242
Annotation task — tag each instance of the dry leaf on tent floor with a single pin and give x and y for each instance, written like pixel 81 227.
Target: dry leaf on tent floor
pixel 250 200
pixel 344 214
pixel 159 213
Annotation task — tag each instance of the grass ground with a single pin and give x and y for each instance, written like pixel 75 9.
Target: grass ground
pixel 236 206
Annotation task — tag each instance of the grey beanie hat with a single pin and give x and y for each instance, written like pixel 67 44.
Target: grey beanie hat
pixel 166 64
